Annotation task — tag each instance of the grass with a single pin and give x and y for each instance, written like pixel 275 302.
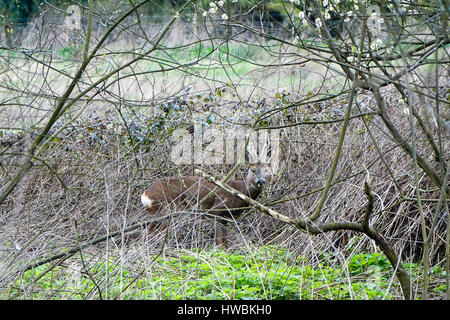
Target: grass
pixel 268 273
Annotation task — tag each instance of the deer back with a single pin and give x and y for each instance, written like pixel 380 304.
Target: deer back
pixel 176 190
pixel 189 190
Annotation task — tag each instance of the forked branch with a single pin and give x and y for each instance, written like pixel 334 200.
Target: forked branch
pixel 314 229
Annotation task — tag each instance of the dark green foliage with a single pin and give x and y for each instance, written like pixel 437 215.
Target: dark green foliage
pixel 18 11
pixel 267 273
pixel 22 11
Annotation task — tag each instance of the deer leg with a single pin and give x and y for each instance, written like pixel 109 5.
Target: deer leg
pixel 162 226
pixel 157 228
pixel 221 232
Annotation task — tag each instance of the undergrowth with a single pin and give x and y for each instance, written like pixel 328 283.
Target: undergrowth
pixel 267 273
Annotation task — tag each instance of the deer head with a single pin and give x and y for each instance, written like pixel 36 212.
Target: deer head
pixel 255 181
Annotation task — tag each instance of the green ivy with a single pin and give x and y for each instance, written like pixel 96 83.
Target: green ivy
pixel 266 273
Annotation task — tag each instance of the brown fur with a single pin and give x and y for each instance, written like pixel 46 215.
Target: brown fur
pixel 186 192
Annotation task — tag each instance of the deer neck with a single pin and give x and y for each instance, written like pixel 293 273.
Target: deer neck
pixel 253 191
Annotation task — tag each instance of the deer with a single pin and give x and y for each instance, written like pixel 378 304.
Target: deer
pixel 190 190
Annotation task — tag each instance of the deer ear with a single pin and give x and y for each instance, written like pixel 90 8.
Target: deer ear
pixel 251 176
